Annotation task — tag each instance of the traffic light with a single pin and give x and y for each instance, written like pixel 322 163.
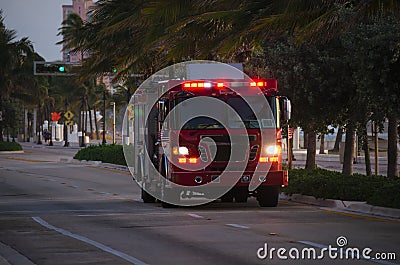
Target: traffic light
pixel 52 68
pixel 114 70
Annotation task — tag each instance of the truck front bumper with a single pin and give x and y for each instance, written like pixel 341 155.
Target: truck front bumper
pixel 271 178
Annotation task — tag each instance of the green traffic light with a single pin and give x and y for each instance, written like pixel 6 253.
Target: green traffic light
pixel 115 70
pixel 61 69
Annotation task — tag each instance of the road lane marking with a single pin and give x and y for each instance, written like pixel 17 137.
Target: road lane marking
pixel 105 248
pixel 195 215
pixel 238 226
pixel 321 246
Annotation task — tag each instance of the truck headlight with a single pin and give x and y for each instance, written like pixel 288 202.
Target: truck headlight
pixel 273 149
pixel 183 150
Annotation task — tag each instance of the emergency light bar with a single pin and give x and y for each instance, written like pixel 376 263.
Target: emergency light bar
pixel 198 84
pixel 258 83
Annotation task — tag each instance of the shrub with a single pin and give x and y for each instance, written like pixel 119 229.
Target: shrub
pixel 387 195
pixel 10 146
pixel 105 153
pixel 321 183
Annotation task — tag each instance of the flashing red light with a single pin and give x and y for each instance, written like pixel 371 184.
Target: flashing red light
pixel 197 84
pixel 193 160
pixel 258 84
pixel 273 159
pixel 265 159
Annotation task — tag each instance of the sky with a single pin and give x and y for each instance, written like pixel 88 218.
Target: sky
pixel 38 20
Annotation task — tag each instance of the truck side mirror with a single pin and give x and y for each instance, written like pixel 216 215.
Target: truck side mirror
pixel 287 109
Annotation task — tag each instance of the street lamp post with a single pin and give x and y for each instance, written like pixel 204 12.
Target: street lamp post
pixel 39 141
pixel 82 143
pixel 66 143
pixel 113 104
pixel 51 126
pixel 104 117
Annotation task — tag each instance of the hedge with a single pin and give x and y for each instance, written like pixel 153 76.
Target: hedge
pixel 321 183
pixel 10 146
pixel 105 153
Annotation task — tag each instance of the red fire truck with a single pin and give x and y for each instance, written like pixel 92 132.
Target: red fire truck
pixel 180 148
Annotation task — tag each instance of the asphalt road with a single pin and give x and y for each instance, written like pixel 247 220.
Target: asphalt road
pixel 61 213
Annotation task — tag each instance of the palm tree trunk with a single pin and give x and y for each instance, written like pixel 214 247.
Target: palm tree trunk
pixel 305 143
pixel 348 151
pixel 90 119
pixel 322 144
pixel 338 139
pixel 311 150
pixel 367 157
pixel 1 122
pixel 95 123
pixel 392 169
pixel 85 118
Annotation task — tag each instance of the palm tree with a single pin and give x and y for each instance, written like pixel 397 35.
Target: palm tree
pixel 144 36
pixel 73 34
pixel 16 79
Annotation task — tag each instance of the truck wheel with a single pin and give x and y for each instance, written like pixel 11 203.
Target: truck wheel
pixel 168 205
pixel 241 194
pixel 268 196
pixel 147 198
pixel 227 197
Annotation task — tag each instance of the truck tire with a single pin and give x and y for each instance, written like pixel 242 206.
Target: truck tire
pixel 227 197
pixel 241 194
pixel 147 198
pixel 268 196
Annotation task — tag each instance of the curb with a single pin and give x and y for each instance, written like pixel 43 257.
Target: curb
pixel 11 152
pixel 349 206
pixel 10 256
pixel 95 163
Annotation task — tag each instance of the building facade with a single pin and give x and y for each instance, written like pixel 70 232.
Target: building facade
pixel 82 8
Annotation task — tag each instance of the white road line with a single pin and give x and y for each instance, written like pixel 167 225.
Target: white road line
pixel 195 215
pixel 91 242
pixel 238 226
pixel 317 245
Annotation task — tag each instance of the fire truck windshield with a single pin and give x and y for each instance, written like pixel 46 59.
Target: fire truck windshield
pixel 248 115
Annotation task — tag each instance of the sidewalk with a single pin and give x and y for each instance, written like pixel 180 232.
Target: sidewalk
pixel 332 162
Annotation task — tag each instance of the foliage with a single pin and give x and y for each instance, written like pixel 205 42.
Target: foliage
pixel 10 146
pixel 326 184
pixel 105 153
pixel 386 195
pixel 145 36
pixel 16 78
